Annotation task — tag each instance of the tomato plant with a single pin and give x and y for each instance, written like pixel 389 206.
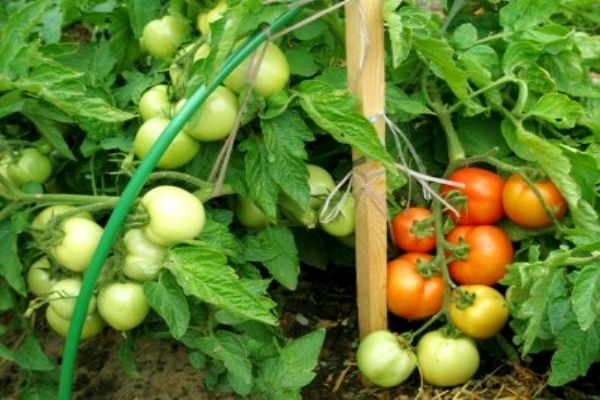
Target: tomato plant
pixel 409 294
pixel 123 305
pixel 181 150
pixel 143 259
pixel 341 224
pixel 273 71
pixel 204 19
pixel 91 327
pixel 486 314
pixel 249 214
pixel 384 359
pixel 79 241
pixel 39 279
pixel 64 295
pixel 524 207
pixel 175 215
pixel 30 166
pixel 483 196
pixel 413 230
pixel 445 360
pixel 215 119
pixel 488 252
pixel 155 103
pixel 162 36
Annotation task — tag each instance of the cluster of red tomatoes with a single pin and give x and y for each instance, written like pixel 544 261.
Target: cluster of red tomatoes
pixel 476 253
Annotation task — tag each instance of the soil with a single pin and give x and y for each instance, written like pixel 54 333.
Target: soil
pixel 323 299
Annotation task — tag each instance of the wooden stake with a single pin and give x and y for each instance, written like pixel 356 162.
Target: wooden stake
pixel 365 62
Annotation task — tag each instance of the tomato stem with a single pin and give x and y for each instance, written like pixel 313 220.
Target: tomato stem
pixel 426 325
pixel 498 82
pixel 179 176
pixel 455 148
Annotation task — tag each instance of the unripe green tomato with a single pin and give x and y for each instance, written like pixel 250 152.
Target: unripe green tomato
pixel 30 166
pixel 215 119
pixel 143 258
pixel 92 325
pixel 40 222
pixel 155 103
pixel 384 360
pixel 343 223
pixel 39 280
pixel 175 70
pixel 320 184
pixel 249 214
pixel 64 296
pixel 123 305
pixel 272 76
pixel 204 20
pixel 176 215
pixel 162 37
pixel 181 150
pixel 447 361
pixel 81 237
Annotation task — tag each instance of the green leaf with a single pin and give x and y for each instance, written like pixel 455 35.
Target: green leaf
pixel 302 63
pixel 336 112
pixel 10 265
pixel 263 188
pixel 123 41
pixel 50 130
pixel 464 36
pixel 576 352
pixel 440 58
pixel 202 271
pixel 7 300
pixel 399 38
pixel 520 15
pixel 126 357
pixel 275 248
pixel 557 109
pixel 220 237
pixel 10 103
pixel 136 84
pixel 589 46
pixel 228 348
pixel 398 102
pixel 31 356
pixel 478 135
pixel 168 300
pixel 586 295
pixel 141 12
pixel 284 137
pixel 285 375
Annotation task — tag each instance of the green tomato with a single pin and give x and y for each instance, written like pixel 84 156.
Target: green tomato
pixel 343 223
pixel 30 166
pixel 161 37
pixel 123 305
pixel 447 361
pixel 175 215
pixel 63 297
pixel 143 258
pixel 249 214
pixel 272 76
pixel 40 222
pixel 79 242
pixel 180 152
pixel 384 359
pixel 215 119
pixel 39 280
pixel 91 327
pixel 155 103
pixel 205 19
pixel 320 184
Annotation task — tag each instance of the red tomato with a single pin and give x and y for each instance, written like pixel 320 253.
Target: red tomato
pixel 409 235
pixel 411 295
pixel 490 251
pixel 525 208
pixel 483 190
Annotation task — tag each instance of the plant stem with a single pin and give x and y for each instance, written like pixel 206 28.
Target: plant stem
pixel 501 81
pixel 180 176
pixel 490 38
pixel 426 325
pixel 455 148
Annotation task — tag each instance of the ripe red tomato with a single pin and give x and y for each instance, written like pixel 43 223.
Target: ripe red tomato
pixel 483 190
pixel 523 207
pixel 490 251
pixel 411 295
pixel 409 235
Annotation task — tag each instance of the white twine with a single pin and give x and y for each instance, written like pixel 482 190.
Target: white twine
pixel 326 215
pixel 310 19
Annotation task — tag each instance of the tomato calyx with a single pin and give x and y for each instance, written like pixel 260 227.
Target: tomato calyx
pixel 428 269
pixel 450 331
pixel 423 228
pixel 456 199
pixel 463 299
pixel 459 251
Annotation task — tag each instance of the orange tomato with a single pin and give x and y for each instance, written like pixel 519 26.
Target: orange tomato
pixel 483 192
pixel 523 207
pixel 490 251
pixel 409 294
pixel 485 317
pixel 406 238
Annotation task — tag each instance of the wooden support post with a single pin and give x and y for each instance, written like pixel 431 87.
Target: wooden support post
pixel 365 63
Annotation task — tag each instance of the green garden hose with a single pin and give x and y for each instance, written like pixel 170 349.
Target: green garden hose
pixel 133 188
